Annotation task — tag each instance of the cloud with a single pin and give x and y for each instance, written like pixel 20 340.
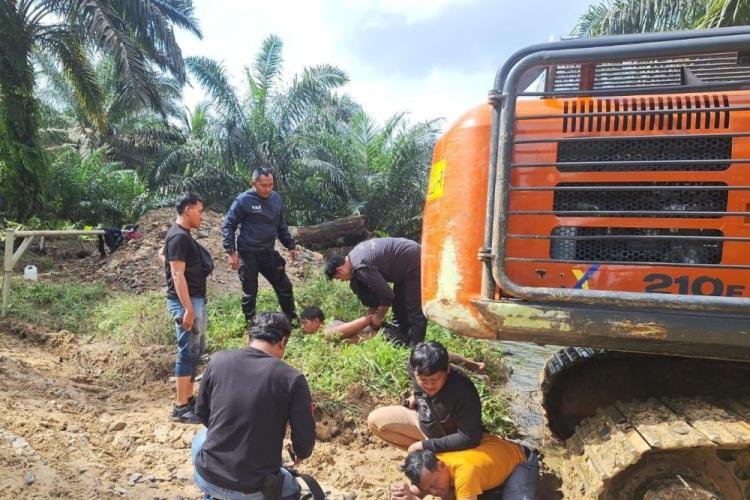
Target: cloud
pixel 461 36
pixel 431 58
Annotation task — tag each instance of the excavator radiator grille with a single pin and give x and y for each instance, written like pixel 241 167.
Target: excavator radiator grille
pixel 605 244
pixel 654 199
pixel 646 113
pixel 707 153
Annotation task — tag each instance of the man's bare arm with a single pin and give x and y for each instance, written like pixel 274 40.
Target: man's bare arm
pixel 177 268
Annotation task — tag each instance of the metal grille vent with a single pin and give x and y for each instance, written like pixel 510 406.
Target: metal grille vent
pixel 665 246
pixel 656 199
pixel 646 113
pixel 644 73
pixel 708 153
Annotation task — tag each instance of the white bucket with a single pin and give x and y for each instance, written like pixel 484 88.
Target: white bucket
pixel 29 273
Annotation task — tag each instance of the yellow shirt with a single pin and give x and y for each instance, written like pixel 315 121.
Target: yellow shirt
pixel 479 469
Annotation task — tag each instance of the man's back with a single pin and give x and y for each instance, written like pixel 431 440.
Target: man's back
pixel 246 399
pixel 393 257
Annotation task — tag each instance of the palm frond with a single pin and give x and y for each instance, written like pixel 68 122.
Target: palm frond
pixel 265 71
pixel 212 76
pixel 726 13
pixel 67 45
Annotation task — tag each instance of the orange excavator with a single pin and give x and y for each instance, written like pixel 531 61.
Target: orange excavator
pixel 601 201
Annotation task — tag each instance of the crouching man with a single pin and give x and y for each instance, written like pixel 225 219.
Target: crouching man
pixel 246 399
pixel 496 469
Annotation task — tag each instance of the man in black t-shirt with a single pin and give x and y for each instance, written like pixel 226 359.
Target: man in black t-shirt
pixel 247 397
pixel 444 413
pixel 186 272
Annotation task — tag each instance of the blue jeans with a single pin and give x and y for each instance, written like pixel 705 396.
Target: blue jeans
pixel 522 482
pixel 192 344
pixel 290 490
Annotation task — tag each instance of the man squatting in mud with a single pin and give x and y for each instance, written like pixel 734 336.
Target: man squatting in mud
pixel 440 426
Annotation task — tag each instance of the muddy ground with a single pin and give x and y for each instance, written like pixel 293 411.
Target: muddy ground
pixel 90 420
pixel 87 421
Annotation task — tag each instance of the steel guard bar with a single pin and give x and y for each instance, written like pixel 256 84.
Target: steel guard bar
pixel 508 87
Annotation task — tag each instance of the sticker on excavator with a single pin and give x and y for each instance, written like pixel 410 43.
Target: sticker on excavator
pixel 584 277
pixel 435 184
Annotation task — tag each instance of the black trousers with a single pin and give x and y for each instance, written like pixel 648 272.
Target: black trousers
pixel 273 267
pixel 407 307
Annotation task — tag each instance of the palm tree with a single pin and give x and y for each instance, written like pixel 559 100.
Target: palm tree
pixel 611 17
pixel 259 126
pixel 130 133
pixel 393 163
pixel 356 166
pixel 198 164
pixel 138 35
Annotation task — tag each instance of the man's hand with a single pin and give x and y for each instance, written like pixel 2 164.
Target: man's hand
pixel 377 321
pixel 409 402
pixel 234 261
pixel 402 491
pixel 379 316
pixel 290 449
pixel 293 254
pixel 416 446
pixel 188 320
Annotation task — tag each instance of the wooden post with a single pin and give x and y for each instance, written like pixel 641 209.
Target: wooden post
pixel 10 237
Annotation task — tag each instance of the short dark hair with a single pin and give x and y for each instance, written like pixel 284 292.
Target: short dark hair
pixel 261 171
pixel 429 357
pixel 270 327
pixel 332 263
pixel 312 312
pixel 415 461
pixel 185 200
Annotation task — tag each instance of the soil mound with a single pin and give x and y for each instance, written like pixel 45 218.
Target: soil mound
pixel 135 266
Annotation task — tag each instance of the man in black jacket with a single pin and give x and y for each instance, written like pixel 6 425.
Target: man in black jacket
pixel 443 414
pixel 247 397
pixel 259 213
pixel 374 263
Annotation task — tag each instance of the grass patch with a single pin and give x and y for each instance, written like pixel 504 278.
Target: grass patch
pixel 338 373
pixel 56 306
pixel 134 319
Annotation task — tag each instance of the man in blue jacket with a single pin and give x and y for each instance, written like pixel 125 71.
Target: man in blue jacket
pixel 259 213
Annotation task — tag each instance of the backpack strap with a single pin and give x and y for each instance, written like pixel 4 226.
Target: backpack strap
pixel 316 492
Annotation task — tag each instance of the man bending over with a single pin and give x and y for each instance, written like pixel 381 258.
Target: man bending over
pixel 495 470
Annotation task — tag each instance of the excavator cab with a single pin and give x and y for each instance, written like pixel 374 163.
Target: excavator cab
pixel 601 201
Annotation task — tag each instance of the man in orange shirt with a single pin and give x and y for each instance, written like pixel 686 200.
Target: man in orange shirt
pixel 473 474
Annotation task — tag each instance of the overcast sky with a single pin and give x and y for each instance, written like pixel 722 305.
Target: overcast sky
pixel 431 58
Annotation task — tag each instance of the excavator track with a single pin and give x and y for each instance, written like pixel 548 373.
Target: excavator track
pixel 665 448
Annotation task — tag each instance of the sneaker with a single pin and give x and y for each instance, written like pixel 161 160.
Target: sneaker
pixel 185 414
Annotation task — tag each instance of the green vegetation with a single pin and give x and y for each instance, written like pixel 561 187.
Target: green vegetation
pixel 338 373
pixel 92 141
pixel 615 17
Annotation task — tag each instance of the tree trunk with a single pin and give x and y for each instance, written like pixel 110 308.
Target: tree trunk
pixel 25 164
pixel 347 231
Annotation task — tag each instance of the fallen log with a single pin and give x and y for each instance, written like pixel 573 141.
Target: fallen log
pixel 347 231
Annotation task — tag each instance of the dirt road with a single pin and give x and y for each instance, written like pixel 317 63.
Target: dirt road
pixel 84 421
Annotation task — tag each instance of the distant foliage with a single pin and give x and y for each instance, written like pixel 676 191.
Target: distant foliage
pixel 140 39
pixel 105 150
pixel 615 17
